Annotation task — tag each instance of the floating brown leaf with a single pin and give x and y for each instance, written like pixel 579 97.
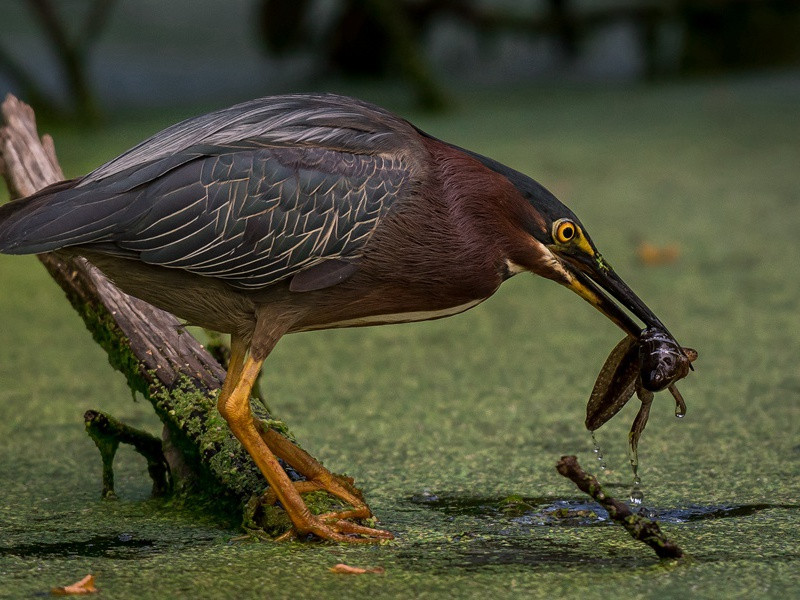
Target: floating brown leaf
pixel 84 586
pixel 348 570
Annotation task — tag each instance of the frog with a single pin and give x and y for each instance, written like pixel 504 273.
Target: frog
pixel 643 365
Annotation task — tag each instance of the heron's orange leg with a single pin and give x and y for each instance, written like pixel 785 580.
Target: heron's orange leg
pixel 318 477
pixel 234 405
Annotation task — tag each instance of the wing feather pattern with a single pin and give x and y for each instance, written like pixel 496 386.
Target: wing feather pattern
pixel 251 195
pixel 256 216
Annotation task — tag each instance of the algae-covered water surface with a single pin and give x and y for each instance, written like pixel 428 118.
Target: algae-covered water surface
pixel 453 427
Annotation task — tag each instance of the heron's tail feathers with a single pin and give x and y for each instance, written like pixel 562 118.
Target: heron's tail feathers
pixel 57 216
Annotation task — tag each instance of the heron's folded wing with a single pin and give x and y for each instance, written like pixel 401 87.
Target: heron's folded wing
pixel 255 215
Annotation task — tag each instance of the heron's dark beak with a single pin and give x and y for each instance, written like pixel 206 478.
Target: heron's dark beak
pixel 592 276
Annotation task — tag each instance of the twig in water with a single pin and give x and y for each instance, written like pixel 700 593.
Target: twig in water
pixel 640 528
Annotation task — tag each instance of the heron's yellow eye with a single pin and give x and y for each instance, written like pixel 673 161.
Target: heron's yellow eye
pixel 564 231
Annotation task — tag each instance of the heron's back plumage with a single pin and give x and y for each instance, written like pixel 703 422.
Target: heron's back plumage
pixel 249 194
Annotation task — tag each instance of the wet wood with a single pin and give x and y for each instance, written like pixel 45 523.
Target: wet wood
pixel 641 528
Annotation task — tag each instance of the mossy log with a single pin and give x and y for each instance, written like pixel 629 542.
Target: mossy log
pixel 108 433
pixel 150 347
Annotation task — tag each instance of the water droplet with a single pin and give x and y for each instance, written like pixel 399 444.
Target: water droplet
pixel 680 404
pixel 637 495
pixel 599 453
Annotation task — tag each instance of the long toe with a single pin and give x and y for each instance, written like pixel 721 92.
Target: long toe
pixel 329 527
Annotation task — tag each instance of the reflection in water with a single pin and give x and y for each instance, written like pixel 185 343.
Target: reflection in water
pixel 549 511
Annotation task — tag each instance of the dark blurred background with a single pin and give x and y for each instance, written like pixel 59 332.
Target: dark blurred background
pixel 84 59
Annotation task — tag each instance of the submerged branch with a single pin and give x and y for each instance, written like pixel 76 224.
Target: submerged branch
pixel 108 433
pixel 640 528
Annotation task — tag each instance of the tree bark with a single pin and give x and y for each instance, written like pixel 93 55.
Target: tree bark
pixel 149 346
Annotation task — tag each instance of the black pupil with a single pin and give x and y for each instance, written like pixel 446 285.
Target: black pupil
pixel 567 232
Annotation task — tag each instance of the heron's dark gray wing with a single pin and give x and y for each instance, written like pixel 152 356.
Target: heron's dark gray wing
pixel 249 194
pixel 255 215
pixel 301 120
pixel 66 214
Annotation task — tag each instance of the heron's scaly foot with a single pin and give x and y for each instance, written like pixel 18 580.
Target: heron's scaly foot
pixel 334 523
pixel 359 511
pixel 330 526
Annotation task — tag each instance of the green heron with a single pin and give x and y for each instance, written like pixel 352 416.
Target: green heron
pixel 306 212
